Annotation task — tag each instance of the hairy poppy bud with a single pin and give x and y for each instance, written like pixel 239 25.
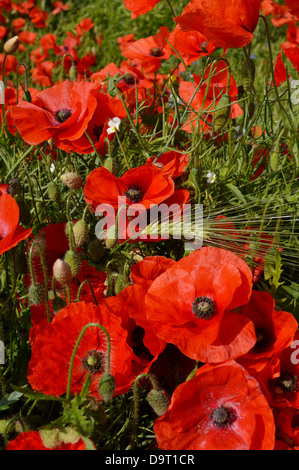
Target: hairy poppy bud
pixel 274 161
pixel 37 294
pixel 158 400
pixel 221 113
pixel 72 180
pixel 73 260
pixel 58 304
pixel 111 237
pixel 111 165
pixel 107 387
pixel 62 272
pixel 12 45
pixel 53 192
pixel 80 231
pixel 248 74
pixel 120 283
pixel 73 73
pixel 95 250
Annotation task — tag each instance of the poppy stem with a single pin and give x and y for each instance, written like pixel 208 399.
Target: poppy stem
pixel 62 64
pixel 68 390
pixel 44 272
pixel 94 148
pixel 136 400
pixel 91 288
pixel 172 9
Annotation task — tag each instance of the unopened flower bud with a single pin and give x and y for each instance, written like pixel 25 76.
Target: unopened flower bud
pixel 58 304
pixel 111 237
pixel 248 73
pixel 72 180
pixel 73 260
pixel 80 231
pixel 73 73
pixel 107 387
pixel 53 192
pixel 37 294
pixel 62 272
pixel 221 113
pixel 12 45
pixel 111 165
pixel 26 96
pixel 159 401
pixel 95 250
pixel 120 283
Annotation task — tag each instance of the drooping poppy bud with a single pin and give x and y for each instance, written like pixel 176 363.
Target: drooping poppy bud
pixel 95 250
pixel 37 294
pixel 58 304
pixel 72 180
pixel 158 400
pixel 62 272
pixel 107 387
pixel 53 192
pixel 73 260
pixel 80 231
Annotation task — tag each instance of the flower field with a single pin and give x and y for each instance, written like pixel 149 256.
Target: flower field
pixel 149 240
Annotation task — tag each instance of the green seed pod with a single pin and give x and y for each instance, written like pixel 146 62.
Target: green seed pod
pixel 95 250
pixel 111 237
pixel 37 294
pixel 107 387
pixel 53 192
pixel 159 401
pixel 58 304
pixel 221 113
pixel 73 260
pixel 80 231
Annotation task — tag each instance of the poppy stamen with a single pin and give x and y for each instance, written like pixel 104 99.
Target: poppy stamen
pixel 156 52
pixel 288 382
pixel 223 416
pixel 93 361
pixel 204 308
pixel 134 193
pixel 62 115
pixel 129 79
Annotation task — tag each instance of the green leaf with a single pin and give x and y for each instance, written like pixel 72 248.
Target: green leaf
pixel 236 192
pixel 9 400
pixel 35 395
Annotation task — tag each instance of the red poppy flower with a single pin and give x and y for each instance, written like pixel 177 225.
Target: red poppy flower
pixel 221 408
pixel 11 233
pixel 191 305
pixel 287 428
pixel 149 52
pixel 59 6
pixel 106 108
pixel 190 45
pixel 31 440
pixel 53 347
pixel 293 7
pixel 275 330
pixel 39 17
pixel 27 37
pixel 225 23
pixel 61 112
pixel 172 163
pixel 292 54
pixel 140 8
pixel 143 185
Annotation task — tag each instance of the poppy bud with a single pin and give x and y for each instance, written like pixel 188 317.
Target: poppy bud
pixel 80 231
pixel 111 165
pixel 95 250
pixel 158 400
pixel 221 113
pixel 37 294
pixel 120 283
pixel 72 180
pixel 58 304
pixel 111 237
pixel 107 387
pixel 53 192
pixel 26 96
pixel 73 260
pixel 73 73
pixel 248 73
pixel 274 161
pixel 12 45
pixel 62 272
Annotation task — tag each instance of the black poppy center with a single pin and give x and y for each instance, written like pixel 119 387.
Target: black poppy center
pixel 288 382
pixel 204 308
pixel 62 114
pixel 223 416
pixel 97 131
pixel 134 193
pixel 93 361
pixel 129 79
pixel 156 52
pixel 263 339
